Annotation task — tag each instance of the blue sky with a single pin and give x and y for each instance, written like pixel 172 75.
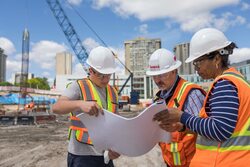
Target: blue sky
pixel 116 21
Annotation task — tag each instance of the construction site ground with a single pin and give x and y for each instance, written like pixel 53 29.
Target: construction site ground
pixel 45 145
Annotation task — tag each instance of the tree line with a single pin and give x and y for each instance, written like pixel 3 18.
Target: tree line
pixel 36 83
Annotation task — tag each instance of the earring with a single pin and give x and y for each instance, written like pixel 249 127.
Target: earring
pixel 217 66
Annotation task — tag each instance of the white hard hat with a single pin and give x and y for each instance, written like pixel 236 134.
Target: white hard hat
pixel 102 60
pixel 162 61
pixel 205 41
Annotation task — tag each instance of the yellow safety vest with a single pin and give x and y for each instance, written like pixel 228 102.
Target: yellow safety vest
pixel 89 93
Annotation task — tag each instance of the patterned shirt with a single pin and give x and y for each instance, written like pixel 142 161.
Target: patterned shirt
pixel 222 110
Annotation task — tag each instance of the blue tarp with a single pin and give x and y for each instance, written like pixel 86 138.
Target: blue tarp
pixel 14 99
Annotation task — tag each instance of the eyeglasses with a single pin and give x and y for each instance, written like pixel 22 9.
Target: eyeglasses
pixel 99 75
pixel 210 56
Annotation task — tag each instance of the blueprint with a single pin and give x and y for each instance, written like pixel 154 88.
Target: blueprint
pixel 127 136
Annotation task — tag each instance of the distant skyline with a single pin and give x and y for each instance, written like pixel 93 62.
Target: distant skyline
pixel 115 21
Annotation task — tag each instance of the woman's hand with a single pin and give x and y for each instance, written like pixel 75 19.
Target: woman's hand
pixel 169 119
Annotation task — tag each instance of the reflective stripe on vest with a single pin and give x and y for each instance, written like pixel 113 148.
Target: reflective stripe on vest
pixel 174 145
pixel 237 76
pixel 182 90
pixel 177 100
pixel 89 93
pixel 240 140
pixel 81 134
pixel 175 153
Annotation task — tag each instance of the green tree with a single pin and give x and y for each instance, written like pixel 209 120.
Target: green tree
pixel 39 83
pixel 5 84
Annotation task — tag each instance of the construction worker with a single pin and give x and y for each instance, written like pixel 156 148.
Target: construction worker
pixel 89 95
pixel 178 93
pixel 224 122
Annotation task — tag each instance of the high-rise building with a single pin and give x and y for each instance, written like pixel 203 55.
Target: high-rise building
pixel 137 54
pixel 3 58
pixel 181 51
pixel 63 63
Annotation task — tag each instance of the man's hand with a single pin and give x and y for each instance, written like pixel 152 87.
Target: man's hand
pixel 90 107
pixel 113 154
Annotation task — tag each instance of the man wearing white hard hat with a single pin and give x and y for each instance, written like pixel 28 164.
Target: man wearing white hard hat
pixel 223 126
pixel 178 93
pixel 89 95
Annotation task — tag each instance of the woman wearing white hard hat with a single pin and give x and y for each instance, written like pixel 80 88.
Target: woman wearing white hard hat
pixel 176 92
pixel 223 127
pixel 89 95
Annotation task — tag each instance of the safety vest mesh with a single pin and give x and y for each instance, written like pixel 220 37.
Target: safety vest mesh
pixel 89 93
pixel 235 151
pixel 182 147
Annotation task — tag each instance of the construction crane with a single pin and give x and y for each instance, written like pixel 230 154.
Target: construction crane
pixel 75 41
pixel 69 31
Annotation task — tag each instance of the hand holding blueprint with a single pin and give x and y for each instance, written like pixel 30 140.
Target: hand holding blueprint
pixel 127 136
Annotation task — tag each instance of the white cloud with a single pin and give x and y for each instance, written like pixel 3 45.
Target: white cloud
pixel 120 60
pixel 190 14
pixel 143 29
pixel 245 6
pixel 46 74
pixel 13 65
pixel 78 70
pixel 42 56
pixel 75 2
pixel 89 44
pixel 228 20
pixel 239 55
pixel 7 46
pixel 44 52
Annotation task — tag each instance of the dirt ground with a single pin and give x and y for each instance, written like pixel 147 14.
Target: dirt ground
pixel 46 146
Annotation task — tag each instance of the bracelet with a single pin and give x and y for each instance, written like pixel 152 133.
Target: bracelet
pixel 183 128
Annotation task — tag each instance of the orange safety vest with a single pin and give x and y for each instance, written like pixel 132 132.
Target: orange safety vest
pixel 89 93
pixel 182 147
pixel 235 151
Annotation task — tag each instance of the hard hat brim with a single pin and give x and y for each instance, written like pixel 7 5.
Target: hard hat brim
pixel 192 58
pixel 102 71
pixel 153 73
